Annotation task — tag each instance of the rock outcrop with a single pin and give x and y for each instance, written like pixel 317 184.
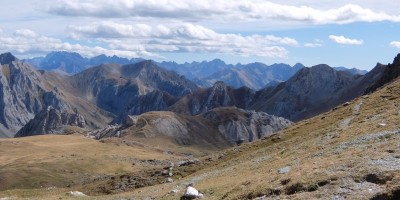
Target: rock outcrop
pixel 51 121
pixel 238 125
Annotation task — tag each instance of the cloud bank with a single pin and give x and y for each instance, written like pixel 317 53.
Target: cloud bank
pixel 182 38
pixel 217 10
pixel 141 40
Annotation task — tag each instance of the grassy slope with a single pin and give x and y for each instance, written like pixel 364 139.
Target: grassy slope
pixel 56 160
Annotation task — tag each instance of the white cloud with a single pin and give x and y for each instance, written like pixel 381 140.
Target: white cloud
pixel 26 42
pixel 185 37
pixel 344 40
pixel 395 44
pixel 25 33
pixel 312 45
pixel 141 40
pixel 218 10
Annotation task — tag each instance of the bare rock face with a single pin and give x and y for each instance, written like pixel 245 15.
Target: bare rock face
pixel 51 121
pixel 238 125
pixel 22 94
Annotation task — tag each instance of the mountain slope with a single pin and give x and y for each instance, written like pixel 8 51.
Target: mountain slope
pixel 205 99
pixel 129 89
pixel 309 92
pixel 391 72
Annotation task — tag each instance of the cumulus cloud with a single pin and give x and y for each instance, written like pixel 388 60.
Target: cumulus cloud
pixel 140 40
pixel 25 33
pixel 27 42
pixel 395 44
pixel 222 10
pixel 344 40
pixel 182 38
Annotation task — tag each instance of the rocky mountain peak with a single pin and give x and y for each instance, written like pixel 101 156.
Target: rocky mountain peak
pixel 7 58
pixel 391 72
pixel 396 60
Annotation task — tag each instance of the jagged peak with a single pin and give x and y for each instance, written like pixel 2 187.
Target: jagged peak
pixel 396 60
pixel 7 58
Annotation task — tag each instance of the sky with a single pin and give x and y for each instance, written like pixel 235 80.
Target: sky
pixel 358 33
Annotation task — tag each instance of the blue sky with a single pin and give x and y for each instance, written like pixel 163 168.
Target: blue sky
pixel 356 33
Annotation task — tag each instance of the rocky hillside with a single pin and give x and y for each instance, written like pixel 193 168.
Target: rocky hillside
pixel 23 93
pixel 216 129
pixel 51 121
pixel 391 72
pixel 219 95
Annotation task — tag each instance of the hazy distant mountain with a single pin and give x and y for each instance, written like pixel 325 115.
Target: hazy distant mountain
pixel 354 71
pixel 253 75
pixel 103 59
pixel 196 70
pixel 72 63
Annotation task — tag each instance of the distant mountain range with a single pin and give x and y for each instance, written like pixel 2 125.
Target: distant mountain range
pixel 72 63
pixel 253 75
